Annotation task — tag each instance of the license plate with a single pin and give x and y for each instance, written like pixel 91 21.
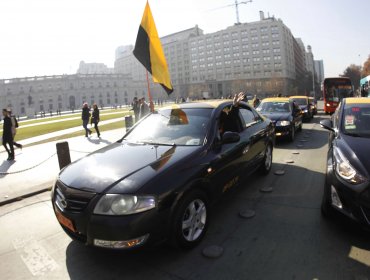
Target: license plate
pixel 64 220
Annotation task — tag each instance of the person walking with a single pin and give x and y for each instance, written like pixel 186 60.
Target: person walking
pixel 14 128
pixel 85 118
pixel 95 118
pixel 7 135
pixel 144 108
pixel 136 108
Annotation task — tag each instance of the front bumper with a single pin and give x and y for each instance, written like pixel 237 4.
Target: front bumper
pixel 352 201
pixel 119 232
pixel 281 131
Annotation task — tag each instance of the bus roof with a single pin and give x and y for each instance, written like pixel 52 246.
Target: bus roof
pixel 337 80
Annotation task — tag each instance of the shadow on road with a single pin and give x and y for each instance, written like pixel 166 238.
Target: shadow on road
pixel 4 167
pixel 287 239
pixel 312 136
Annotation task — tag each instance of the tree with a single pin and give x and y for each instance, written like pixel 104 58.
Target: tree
pixel 366 68
pixel 354 73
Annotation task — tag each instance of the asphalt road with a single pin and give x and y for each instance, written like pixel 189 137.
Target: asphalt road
pixel 286 239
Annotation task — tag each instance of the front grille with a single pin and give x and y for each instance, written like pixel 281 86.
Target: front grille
pixel 68 199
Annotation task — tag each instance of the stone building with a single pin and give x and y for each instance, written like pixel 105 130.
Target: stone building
pixel 259 57
pixel 66 92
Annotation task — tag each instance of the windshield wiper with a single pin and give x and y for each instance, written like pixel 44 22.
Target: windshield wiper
pixel 146 142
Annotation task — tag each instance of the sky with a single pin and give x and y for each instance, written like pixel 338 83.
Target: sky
pixel 50 37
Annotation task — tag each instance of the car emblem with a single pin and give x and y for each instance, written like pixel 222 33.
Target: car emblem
pixel 63 203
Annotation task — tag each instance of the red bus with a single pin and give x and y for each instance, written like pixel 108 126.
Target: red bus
pixel 334 90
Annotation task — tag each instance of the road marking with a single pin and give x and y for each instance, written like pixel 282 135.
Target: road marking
pixel 34 256
pixel 360 255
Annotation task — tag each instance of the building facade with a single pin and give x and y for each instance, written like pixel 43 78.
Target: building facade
pixel 29 95
pixel 259 57
pixel 319 70
pixel 94 68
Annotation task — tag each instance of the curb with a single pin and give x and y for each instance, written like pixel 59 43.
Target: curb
pixel 19 198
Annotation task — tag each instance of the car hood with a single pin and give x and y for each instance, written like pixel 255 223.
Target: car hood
pixel 277 116
pixel 105 167
pixel 357 151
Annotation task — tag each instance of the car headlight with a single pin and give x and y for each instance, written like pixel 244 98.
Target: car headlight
pixel 345 170
pixel 305 110
pixel 327 104
pixel 123 204
pixel 283 123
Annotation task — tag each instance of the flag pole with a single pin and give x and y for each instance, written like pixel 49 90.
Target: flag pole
pixel 151 105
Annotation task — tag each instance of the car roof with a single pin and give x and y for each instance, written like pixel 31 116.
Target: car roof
pixel 276 99
pixel 205 104
pixel 358 100
pixel 299 96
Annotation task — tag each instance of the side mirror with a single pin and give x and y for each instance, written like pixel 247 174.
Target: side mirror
pixel 230 137
pixel 327 124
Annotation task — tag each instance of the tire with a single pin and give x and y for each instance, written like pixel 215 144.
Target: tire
pixel 267 161
pixel 292 134
pixel 190 221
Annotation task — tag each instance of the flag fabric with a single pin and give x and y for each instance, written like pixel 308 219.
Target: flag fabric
pixel 148 50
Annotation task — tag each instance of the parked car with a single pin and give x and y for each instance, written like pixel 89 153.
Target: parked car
pixel 286 116
pixel 303 103
pixel 347 184
pixel 158 181
pixel 313 104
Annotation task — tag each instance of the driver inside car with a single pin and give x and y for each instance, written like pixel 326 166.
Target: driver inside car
pixel 229 120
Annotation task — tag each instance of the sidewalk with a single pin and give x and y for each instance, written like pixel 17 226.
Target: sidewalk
pixel 35 168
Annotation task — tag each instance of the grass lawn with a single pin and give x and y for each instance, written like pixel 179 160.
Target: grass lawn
pixel 107 127
pixel 41 129
pixel 74 115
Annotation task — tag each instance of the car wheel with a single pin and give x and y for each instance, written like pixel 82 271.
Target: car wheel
pixel 292 134
pixel 190 221
pixel 267 160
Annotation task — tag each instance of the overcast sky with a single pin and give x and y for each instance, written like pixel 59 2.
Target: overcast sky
pixel 46 37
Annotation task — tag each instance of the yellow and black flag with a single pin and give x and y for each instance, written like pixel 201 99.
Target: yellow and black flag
pixel 148 50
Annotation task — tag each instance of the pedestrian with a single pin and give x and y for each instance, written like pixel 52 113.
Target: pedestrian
pixel 144 108
pixel 256 101
pixel 14 128
pixel 85 118
pixel 136 108
pixel 7 135
pixel 95 118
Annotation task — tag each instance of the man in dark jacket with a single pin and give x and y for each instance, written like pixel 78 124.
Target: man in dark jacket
pixel 86 118
pixel 136 108
pixel 7 135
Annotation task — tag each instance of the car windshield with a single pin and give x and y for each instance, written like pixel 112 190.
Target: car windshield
pixel 172 127
pixel 300 101
pixel 274 107
pixel 356 120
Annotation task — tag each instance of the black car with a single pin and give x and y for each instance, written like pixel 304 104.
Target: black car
pixel 305 105
pixel 347 184
pixel 158 181
pixel 286 116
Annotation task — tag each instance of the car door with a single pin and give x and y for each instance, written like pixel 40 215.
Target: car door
pixel 297 115
pixel 224 168
pixel 253 135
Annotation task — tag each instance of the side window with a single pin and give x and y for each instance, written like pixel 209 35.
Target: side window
pixel 247 116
